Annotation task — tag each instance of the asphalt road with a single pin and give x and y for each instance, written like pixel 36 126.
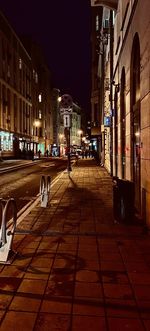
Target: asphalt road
pixel 23 184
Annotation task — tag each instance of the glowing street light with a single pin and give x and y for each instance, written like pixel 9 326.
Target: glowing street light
pixel 37 123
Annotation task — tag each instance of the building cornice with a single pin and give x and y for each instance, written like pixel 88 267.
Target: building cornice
pixel 111 4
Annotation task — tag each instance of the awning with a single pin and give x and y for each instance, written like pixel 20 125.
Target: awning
pixel 112 4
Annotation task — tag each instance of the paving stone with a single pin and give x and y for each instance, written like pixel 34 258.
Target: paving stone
pixel 53 322
pixel 137 267
pixel 35 286
pixel 9 284
pixel 37 273
pixel 109 257
pixel 117 291
pixel 88 307
pixel 5 299
pixel 147 324
pixel 22 303
pixel 144 308
pixel 18 321
pixel 57 305
pixel 112 266
pixel 91 290
pixel 88 323
pixel 114 277
pixel 67 247
pixel 42 261
pixel 139 278
pixel 125 324
pixel 88 256
pixel 2 312
pixel 121 308
pixel 62 276
pixel 87 276
pixel 142 292
pixel 12 271
pixel 29 245
pixel 61 288
pixel 22 261
pixel 91 265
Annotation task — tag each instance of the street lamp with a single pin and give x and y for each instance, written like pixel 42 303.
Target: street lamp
pixel 36 125
pixel 59 99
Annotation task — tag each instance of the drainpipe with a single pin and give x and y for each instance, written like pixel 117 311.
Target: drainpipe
pixel 111 31
pixel 102 103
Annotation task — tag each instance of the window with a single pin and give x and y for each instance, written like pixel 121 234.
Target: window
pixel 97 22
pixel 106 24
pixel 36 77
pixel 95 112
pixel 40 132
pixel 20 64
pixel 33 74
pixel 40 114
pixel 40 97
pixel 3 51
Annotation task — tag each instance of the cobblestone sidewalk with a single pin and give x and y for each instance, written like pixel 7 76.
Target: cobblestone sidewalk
pixel 75 268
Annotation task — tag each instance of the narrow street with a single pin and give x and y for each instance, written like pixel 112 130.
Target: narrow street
pixel 23 184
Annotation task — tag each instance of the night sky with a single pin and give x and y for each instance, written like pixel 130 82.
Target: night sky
pixel 62 28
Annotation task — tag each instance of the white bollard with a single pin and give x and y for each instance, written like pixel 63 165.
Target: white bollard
pixel 45 190
pixel 7 234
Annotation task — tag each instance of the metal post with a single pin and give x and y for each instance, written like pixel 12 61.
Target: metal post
pixel 68 148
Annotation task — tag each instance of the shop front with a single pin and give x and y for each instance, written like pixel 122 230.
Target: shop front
pixel 27 147
pixel 6 144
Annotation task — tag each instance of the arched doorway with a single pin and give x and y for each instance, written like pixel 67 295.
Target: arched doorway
pixel 135 121
pixel 122 122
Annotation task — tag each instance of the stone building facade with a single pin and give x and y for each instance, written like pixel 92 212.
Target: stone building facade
pixel 127 63
pixel 131 72
pixel 15 91
pixel 25 96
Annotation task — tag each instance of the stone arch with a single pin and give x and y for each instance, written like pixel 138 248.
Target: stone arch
pixel 122 121
pixel 135 120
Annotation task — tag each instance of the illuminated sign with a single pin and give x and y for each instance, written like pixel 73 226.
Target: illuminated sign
pixel 107 121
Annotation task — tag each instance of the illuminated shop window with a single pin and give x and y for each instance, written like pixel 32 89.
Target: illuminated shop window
pixel 6 141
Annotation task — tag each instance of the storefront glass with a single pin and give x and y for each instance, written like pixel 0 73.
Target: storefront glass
pixel 6 141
